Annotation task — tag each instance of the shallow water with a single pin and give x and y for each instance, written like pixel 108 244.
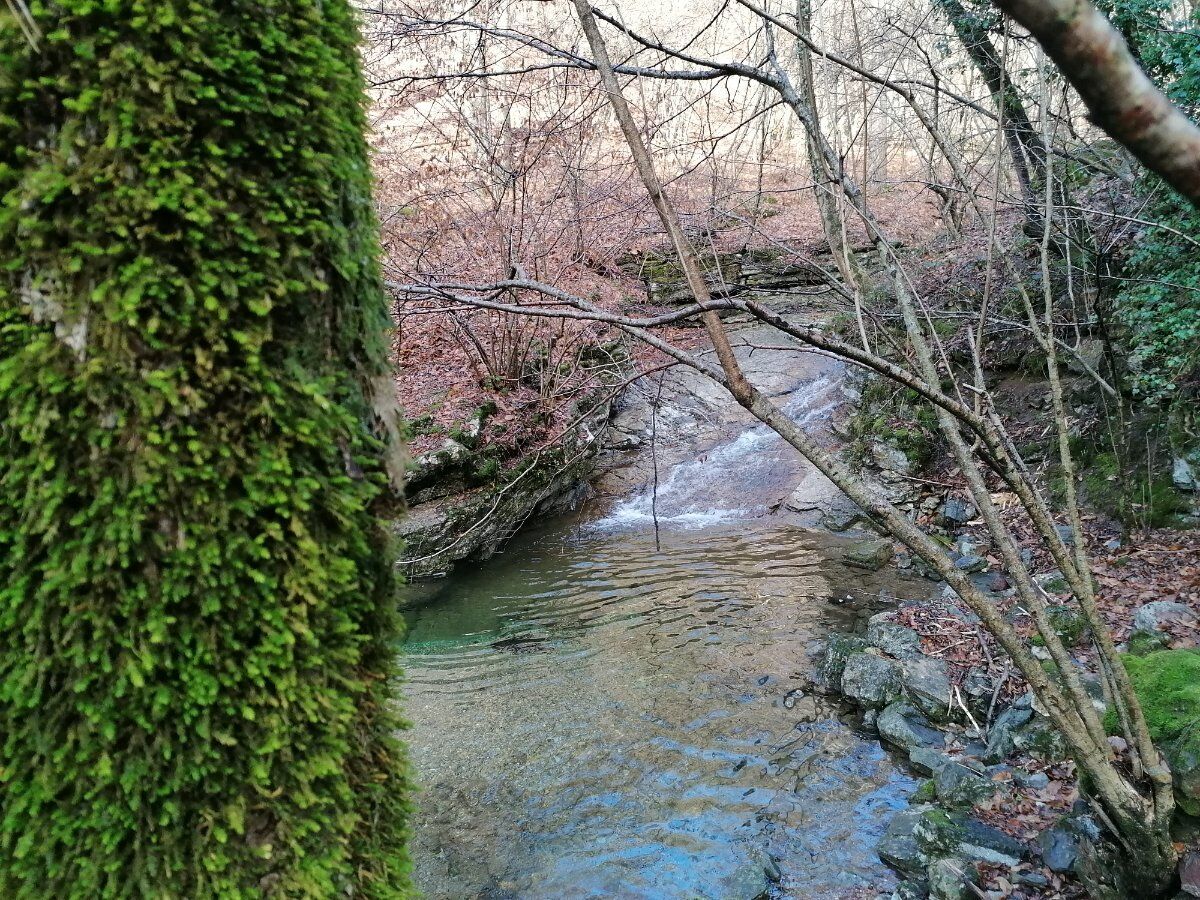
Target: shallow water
pixel 595 718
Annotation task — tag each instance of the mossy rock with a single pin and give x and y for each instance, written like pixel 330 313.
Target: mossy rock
pixel 1167 683
pixel 926 792
pixel 1069 624
pixel 838 649
pixel 937 834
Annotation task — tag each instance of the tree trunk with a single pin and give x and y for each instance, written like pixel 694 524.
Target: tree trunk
pixel 1024 143
pixel 824 183
pixel 196 616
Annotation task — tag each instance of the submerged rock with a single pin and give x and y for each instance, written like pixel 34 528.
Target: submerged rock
pixel 746 882
pixel 898 847
pixel 871 554
pixel 1151 618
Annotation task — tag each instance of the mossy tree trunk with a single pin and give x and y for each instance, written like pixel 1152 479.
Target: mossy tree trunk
pixel 196 600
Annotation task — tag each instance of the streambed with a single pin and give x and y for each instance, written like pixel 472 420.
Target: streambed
pixel 595 716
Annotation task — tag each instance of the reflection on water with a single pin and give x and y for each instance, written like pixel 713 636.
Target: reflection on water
pixel 592 718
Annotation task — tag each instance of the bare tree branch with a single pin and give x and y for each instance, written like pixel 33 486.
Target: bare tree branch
pixel 1123 101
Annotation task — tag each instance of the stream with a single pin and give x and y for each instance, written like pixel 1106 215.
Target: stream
pixel 594 716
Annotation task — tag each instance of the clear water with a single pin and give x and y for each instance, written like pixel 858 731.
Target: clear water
pixel 595 718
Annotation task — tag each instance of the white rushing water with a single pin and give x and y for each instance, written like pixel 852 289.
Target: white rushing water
pixel 743 477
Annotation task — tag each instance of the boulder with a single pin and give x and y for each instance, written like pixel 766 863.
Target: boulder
pixel 898 847
pixel 1060 848
pixel 871 554
pixel 1089 354
pixel 926 683
pixel 894 640
pixel 838 649
pixel 871 680
pixel 955 512
pixel 1168 685
pixel 1152 618
pixel 958 785
pixel 903 725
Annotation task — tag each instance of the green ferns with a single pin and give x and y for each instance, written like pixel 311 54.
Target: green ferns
pixel 195 608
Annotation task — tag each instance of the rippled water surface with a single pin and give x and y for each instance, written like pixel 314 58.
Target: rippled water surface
pixel 595 718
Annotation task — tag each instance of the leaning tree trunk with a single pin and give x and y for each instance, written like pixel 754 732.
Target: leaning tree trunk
pixel 195 607
pixel 1120 97
pixel 1023 140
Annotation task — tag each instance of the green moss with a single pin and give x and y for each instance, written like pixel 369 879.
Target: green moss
pixel 1043 741
pixel 1057 585
pixel 1068 623
pixel 1142 643
pixel 896 415
pixel 197 608
pixel 486 468
pixel 937 833
pixel 926 792
pixel 1167 683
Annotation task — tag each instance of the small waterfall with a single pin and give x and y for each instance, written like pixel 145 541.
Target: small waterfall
pixel 741 478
